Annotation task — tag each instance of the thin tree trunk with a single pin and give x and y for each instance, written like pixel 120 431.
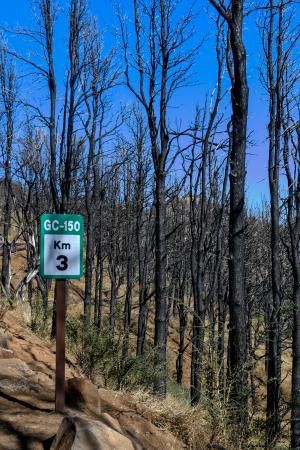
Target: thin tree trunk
pixel 182 312
pixel 143 261
pixel 7 78
pixel 89 266
pixel 197 353
pixel 222 304
pixel 97 286
pixel 295 416
pixel 161 306
pixel 128 305
pixel 113 305
pixel 294 231
pixel 142 322
pixel 210 373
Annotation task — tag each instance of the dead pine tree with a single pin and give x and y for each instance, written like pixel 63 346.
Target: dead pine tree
pixel 294 230
pixel 164 39
pixel 98 77
pixel 63 151
pixel 291 161
pixel 143 224
pixel 32 174
pixel 237 355
pixel 272 45
pixel 179 249
pixel 129 249
pixel 70 147
pixel 204 229
pixel 115 254
pixel 279 40
pixel 8 100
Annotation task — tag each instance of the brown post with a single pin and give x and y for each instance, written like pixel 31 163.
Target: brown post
pixel 60 297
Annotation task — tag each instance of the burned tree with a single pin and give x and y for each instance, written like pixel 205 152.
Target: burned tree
pixel 162 63
pixel 291 161
pixel 234 16
pixel 8 99
pixel 97 78
pixel 272 44
pixel 203 179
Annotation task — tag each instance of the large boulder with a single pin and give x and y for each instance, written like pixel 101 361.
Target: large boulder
pixel 76 433
pixel 83 396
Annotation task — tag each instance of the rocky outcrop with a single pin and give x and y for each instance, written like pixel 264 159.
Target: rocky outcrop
pixel 93 419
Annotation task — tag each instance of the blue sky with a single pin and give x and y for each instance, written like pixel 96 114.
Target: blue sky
pixel 18 12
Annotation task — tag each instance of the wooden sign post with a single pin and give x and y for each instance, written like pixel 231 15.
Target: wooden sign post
pixel 61 298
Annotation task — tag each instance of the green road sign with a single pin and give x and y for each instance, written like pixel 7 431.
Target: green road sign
pixel 61 248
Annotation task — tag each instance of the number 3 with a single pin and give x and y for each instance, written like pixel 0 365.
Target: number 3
pixel 63 262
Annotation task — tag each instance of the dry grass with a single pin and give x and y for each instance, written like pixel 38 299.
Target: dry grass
pixel 192 425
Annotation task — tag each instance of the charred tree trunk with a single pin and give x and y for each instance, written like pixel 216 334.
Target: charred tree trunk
pixel 295 418
pixel 182 313
pixel 113 302
pixel 197 352
pixel 274 345
pixel 8 98
pixel 128 305
pixel 143 291
pixel 294 234
pixel 90 201
pixel 161 306
pixel 222 306
pixel 236 300
pixel 89 266
pixel 98 284
pixel 158 71
pixel 142 320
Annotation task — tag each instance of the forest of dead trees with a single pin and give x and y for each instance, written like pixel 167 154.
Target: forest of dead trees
pixel 167 221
